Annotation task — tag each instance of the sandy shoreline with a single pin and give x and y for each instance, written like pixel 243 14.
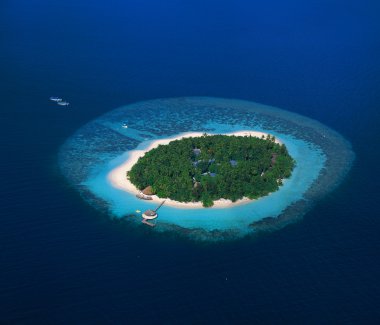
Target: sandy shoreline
pixel 117 177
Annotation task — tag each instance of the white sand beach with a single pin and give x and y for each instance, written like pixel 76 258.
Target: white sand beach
pixel 117 177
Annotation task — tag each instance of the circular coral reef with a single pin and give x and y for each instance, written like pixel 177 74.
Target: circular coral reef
pixel 322 156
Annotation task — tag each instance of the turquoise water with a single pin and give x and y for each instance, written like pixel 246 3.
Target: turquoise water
pixel 322 157
pixel 310 160
pixel 66 260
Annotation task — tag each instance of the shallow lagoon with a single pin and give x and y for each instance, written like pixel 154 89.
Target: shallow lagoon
pixel 323 159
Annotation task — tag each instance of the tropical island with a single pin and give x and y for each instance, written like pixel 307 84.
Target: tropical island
pixel 97 157
pixel 208 168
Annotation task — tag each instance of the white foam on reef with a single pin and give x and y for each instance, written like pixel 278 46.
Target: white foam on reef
pixel 322 155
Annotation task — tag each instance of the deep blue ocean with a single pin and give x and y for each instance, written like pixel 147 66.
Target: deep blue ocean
pixel 63 262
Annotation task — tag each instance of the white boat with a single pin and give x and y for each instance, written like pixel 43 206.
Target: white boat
pixel 55 99
pixel 63 103
pixel 125 126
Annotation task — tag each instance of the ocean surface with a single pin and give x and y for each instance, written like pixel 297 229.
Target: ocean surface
pixel 64 262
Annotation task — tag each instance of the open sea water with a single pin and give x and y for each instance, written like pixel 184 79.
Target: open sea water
pixel 63 262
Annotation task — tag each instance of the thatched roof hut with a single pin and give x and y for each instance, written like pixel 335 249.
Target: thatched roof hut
pixel 233 163
pixel 149 214
pixel 148 190
pixel 152 214
pixel 197 151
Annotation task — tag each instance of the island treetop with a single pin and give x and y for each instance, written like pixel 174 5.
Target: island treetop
pixel 213 167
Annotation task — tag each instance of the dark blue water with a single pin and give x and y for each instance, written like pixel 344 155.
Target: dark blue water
pixel 62 262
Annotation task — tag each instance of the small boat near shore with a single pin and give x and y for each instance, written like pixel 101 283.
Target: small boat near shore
pixel 142 196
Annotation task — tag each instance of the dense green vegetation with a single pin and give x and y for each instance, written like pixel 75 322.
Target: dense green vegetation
pixel 211 167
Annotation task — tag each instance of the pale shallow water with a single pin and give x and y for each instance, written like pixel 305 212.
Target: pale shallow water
pixel 323 158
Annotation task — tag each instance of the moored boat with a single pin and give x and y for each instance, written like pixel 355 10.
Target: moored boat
pixel 63 103
pixel 55 99
pixel 142 196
